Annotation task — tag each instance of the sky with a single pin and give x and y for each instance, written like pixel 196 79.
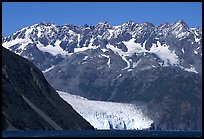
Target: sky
pixel 17 15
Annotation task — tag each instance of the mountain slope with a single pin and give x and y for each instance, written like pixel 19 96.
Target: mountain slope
pixel 30 103
pixel 173 97
pixel 170 94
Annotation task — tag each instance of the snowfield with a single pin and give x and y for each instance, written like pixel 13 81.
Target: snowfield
pixel 108 115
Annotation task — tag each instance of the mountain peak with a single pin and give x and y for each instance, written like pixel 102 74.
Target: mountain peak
pixel 180 24
pixel 45 23
pixel 164 25
pixel 103 24
pixel 149 24
pixel 130 23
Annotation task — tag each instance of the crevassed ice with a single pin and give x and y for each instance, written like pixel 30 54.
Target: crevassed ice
pixel 108 115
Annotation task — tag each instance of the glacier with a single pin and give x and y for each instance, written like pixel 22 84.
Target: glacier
pixel 108 115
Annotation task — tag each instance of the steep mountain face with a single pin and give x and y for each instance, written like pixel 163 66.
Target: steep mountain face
pixel 157 66
pixel 173 97
pixel 30 103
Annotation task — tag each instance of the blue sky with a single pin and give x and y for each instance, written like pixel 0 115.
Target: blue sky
pixel 16 15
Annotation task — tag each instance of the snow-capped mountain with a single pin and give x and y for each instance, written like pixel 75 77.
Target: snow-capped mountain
pixel 159 66
pixel 133 44
pixel 108 115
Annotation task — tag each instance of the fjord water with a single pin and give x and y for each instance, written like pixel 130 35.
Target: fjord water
pixel 102 133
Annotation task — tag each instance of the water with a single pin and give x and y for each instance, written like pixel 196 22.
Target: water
pixel 102 133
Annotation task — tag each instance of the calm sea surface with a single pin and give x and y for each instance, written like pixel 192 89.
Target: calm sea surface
pixel 102 133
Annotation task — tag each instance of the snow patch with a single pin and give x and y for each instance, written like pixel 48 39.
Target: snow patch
pixel 39 32
pixel 108 63
pixel 165 54
pixel 118 76
pixel 128 63
pixel 130 70
pixel 91 42
pixel 143 45
pixel 54 50
pixel 105 56
pixel 133 47
pixel 78 38
pixel 90 46
pixel 84 48
pixel 136 63
pixel 57 43
pixel 104 50
pixel 111 33
pixel 71 32
pixel 115 27
pixel 182 50
pixel 197 39
pixel 22 44
pixel 85 58
pixel 191 69
pixel 28 32
pixel 48 69
pixel 195 52
pixel 13 42
pixel 119 52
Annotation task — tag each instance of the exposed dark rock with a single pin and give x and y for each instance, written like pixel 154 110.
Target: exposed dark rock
pixel 21 79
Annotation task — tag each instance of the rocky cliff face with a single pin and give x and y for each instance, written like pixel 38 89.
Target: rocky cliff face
pixel 30 103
